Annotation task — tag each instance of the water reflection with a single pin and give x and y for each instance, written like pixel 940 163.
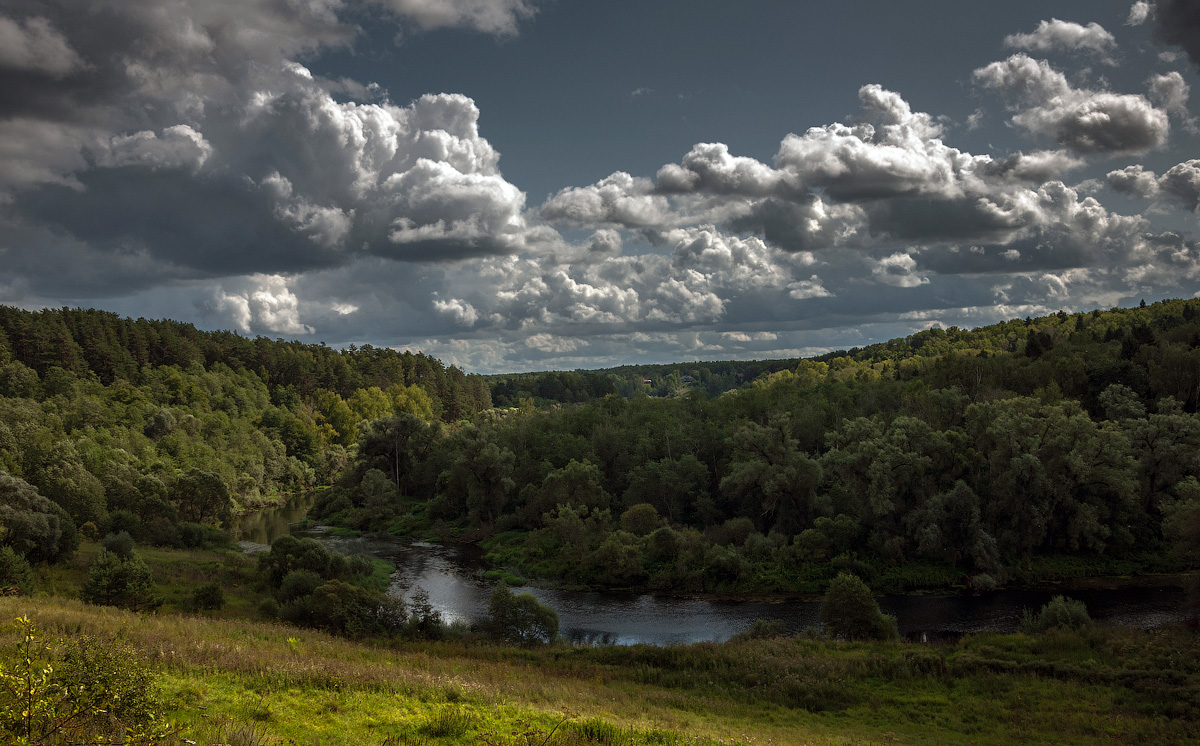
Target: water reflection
pixel 265 526
pixel 452 576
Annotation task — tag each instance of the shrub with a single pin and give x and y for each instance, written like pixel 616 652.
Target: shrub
pixel 297 584
pixel 520 619
pixel 93 693
pixel 984 582
pixel 15 573
pixel 268 608
pixel 640 519
pixel 345 609
pixel 762 629
pixel 1059 612
pixel 89 531
pixel 850 611
pixel 116 581
pixel 120 544
pixel 207 597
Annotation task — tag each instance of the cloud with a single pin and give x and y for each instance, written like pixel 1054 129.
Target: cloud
pixel 1085 121
pixel 1138 13
pixel 1180 184
pixel 263 304
pixel 1134 180
pixel 1064 36
pixel 459 310
pixel 810 288
pixel 498 17
pixel 178 146
pixel 1171 92
pixel 34 45
pixel 899 270
pixel 1178 22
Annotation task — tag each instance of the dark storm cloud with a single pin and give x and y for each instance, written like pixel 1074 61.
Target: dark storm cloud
pixel 1178 22
pixel 185 130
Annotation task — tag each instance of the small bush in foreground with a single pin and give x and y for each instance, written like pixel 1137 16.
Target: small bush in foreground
pixel 521 619
pixel 1059 612
pixel 850 611
pixel 92 693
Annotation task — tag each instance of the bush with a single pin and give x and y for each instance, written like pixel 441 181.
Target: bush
pixel 268 608
pixel 120 544
pixel 298 584
pixel 93 693
pixel 1059 612
pixel 762 629
pixel 16 576
pixel 520 619
pixel 208 597
pixel 850 611
pixel 348 610
pixel 116 581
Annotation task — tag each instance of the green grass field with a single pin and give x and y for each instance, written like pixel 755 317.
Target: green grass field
pixel 226 678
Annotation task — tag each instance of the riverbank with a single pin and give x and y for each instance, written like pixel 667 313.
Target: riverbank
pixel 283 685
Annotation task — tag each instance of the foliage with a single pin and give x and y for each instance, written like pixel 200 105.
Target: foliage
pixel 1059 612
pixel 850 611
pixel 33 526
pixel 1006 453
pixel 341 608
pixel 89 692
pixel 520 619
pixel 120 544
pixel 16 576
pixel 114 580
pixel 208 597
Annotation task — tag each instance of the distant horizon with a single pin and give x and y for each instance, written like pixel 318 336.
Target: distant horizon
pixel 698 361
pixel 515 185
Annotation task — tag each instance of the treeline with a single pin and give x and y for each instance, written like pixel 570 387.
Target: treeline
pixel 110 347
pixel 572 387
pixel 109 424
pixel 1021 451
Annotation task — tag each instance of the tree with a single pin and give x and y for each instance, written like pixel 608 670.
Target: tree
pixel 482 474
pixel 33 526
pixel 520 619
pixel 202 497
pixel 771 476
pixel 120 581
pixel 850 611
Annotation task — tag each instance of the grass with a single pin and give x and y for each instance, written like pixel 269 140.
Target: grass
pixel 286 684
pixel 227 678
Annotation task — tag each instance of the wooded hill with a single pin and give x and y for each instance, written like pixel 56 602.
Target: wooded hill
pixel 1032 449
pixel 148 425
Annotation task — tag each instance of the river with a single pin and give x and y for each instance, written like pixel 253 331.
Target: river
pixel 452 576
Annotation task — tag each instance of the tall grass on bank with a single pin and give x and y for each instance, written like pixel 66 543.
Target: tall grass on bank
pixel 1065 686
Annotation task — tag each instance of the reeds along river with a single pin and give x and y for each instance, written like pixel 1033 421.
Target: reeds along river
pixel 452 576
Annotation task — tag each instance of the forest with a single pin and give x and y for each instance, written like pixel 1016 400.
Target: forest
pixel 1030 450
pixel 1026 451
pixel 156 428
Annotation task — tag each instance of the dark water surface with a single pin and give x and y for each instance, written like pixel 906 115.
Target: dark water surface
pixel 452 576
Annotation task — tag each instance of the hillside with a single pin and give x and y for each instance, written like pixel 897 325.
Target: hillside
pixel 1032 450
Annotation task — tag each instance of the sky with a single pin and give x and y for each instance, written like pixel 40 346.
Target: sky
pixel 516 185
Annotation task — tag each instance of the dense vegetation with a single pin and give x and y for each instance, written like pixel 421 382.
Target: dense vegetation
pixel 1024 451
pixel 158 429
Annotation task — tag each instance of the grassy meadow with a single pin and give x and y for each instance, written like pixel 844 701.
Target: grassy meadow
pixel 227 678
